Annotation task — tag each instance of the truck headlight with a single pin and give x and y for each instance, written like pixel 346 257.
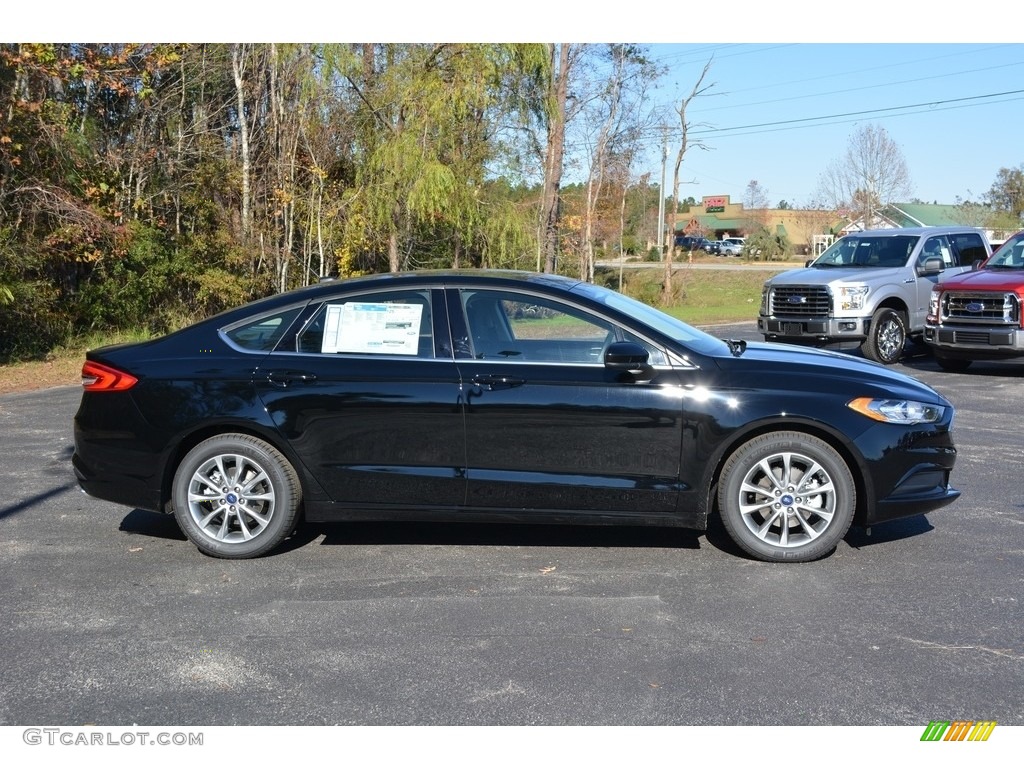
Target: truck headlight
pixel 764 299
pixel 933 306
pixel 852 297
pixel 897 411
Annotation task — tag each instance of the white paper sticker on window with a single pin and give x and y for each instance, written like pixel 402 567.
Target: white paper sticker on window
pixel 381 329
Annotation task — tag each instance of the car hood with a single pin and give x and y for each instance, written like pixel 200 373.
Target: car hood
pixel 988 280
pixel 825 275
pixel 810 368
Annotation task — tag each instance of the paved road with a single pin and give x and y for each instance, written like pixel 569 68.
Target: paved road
pixel 111 617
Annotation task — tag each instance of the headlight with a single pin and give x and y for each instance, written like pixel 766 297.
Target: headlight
pixel 933 305
pixel 852 296
pixel 764 299
pixel 897 411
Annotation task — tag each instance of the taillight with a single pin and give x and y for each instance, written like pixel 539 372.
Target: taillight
pixel 97 377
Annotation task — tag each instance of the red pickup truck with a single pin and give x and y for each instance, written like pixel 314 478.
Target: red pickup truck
pixel 979 315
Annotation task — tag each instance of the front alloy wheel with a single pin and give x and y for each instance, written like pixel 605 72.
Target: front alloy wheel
pixel 787 497
pixel 236 496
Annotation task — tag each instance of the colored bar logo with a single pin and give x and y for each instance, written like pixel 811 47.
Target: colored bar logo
pixel 958 730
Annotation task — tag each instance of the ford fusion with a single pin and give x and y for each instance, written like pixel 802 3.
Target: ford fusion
pixel 501 396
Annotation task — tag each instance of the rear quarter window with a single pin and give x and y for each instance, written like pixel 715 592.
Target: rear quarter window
pixel 262 334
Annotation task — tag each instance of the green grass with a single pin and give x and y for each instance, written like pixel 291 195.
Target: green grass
pixel 700 296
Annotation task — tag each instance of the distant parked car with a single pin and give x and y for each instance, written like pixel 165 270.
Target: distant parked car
pixel 731 246
pixel 688 243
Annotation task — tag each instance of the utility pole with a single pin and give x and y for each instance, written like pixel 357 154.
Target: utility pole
pixel 661 195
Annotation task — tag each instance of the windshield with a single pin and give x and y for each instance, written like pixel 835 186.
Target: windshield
pixel 667 325
pixel 868 251
pixel 1010 254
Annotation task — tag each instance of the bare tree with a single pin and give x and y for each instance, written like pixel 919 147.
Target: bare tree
pixel 755 203
pixel 238 72
pixel 617 112
pixel 564 58
pixel 871 175
pixel 684 144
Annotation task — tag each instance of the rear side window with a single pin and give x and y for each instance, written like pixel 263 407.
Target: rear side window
pixel 388 323
pixel 971 247
pixel 262 334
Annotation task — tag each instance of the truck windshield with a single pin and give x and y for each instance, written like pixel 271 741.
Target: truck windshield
pixel 868 251
pixel 1010 255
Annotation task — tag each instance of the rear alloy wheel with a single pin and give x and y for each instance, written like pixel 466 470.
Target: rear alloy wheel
pixel 952 364
pixel 236 496
pixel 886 337
pixel 787 497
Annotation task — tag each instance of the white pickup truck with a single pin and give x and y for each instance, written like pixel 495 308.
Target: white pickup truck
pixel 870 289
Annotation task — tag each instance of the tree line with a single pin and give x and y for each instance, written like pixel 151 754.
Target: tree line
pixel 145 185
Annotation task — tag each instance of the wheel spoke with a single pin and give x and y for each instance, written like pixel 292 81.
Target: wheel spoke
pixel 808 529
pixel 262 520
pixel 765 528
pixel 769 474
pixel 260 477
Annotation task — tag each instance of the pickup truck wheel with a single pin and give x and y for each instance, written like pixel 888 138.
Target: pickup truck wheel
pixel 953 364
pixel 886 338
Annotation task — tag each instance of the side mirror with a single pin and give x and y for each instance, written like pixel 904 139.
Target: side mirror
pixel 976 264
pixel 931 266
pixel 809 262
pixel 626 356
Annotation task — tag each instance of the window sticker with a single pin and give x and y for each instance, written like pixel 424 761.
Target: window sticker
pixel 380 329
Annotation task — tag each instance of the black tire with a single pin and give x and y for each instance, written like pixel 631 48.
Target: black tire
pixel 235 496
pixel 786 497
pixel 952 364
pixel 886 337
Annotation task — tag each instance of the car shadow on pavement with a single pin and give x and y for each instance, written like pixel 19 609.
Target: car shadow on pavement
pixel 160 526
pixel 144 523
pixel 858 538
pixel 495 534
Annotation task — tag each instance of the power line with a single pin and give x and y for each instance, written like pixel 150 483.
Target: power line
pixel 931 105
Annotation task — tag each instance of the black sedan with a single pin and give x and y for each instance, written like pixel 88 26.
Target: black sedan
pixel 495 396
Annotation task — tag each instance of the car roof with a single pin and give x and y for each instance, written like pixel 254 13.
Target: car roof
pixel 419 278
pixel 894 231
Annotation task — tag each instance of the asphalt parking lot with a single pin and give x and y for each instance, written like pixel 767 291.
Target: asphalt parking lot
pixel 112 618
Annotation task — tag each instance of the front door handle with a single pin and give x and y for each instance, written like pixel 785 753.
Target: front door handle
pixel 491 383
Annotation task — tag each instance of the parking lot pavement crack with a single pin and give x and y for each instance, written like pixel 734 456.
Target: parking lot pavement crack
pixel 1008 653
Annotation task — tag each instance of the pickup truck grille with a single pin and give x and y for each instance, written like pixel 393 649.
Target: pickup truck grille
pixel 986 308
pixel 799 301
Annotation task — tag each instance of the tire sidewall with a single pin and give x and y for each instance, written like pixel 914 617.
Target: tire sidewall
pixel 882 318
pixel 747 456
pixel 281 475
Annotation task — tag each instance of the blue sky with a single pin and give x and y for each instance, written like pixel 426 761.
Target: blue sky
pixel 781 113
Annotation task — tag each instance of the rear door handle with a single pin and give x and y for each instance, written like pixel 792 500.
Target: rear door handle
pixel 491 383
pixel 284 378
